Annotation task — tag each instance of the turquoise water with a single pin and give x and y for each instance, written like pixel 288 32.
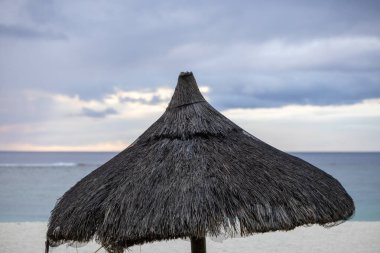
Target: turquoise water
pixel 30 183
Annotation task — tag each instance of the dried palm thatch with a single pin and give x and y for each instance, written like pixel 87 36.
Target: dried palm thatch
pixel 195 173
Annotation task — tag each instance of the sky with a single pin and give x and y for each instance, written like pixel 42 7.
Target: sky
pixel 81 75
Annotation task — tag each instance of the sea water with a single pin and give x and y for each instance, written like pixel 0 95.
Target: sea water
pixel 31 182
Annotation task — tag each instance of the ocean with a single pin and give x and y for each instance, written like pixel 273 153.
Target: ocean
pixel 31 182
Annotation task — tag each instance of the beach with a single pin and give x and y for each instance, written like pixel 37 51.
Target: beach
pixel 352 236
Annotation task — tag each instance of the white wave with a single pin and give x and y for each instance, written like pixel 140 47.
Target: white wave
pixel 58 164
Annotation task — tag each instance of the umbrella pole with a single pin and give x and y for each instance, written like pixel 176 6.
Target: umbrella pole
pixel 198 245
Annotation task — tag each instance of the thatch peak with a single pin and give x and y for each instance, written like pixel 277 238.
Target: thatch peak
pixel 186 91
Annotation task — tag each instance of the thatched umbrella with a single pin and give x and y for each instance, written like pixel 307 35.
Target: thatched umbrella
pixel 195 173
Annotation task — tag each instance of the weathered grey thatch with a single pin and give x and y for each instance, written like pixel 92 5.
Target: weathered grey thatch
pixel 194 172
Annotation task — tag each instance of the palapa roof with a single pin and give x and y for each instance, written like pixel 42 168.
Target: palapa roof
pixel 194 172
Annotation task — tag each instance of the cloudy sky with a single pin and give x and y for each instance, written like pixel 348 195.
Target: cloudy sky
pixel 93 75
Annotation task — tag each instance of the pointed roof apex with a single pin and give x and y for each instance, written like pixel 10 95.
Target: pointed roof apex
pixel 186 91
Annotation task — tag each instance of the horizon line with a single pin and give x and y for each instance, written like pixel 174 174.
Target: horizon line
pixel 118 151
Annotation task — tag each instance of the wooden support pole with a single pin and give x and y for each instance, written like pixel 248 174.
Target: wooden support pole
pixel 198 245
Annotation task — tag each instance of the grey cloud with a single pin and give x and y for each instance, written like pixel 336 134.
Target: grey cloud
pixel 16 31
pixel 98 113
pixel 295 88
pixel 155 100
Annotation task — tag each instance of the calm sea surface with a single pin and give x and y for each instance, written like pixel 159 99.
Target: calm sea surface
pixel 31 182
